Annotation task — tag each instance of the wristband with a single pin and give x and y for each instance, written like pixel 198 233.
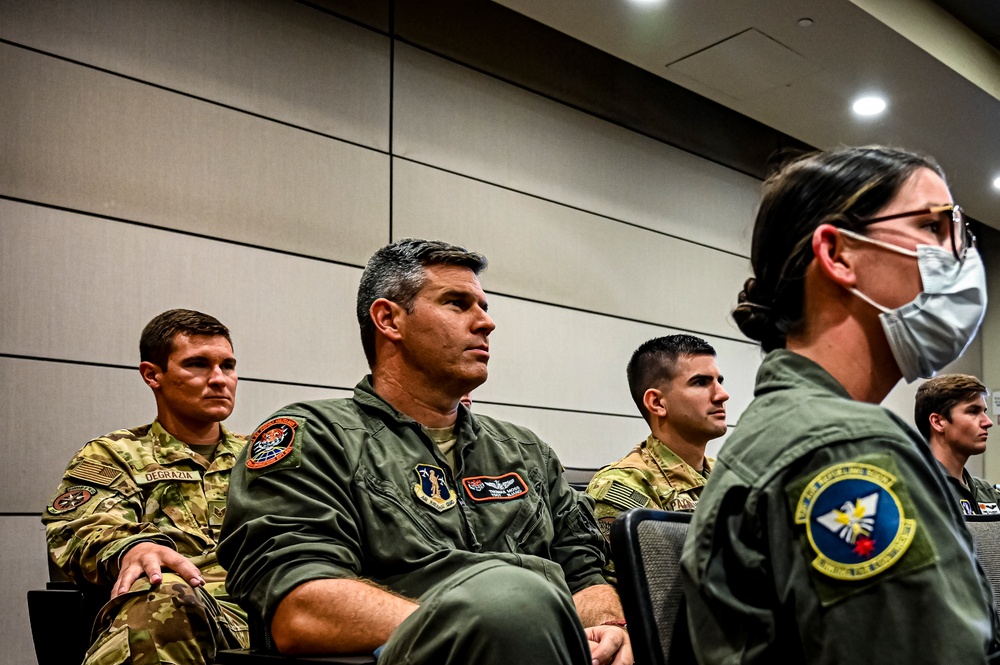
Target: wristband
pixel 616 622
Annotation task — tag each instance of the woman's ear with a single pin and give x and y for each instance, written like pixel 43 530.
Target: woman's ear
pixel 833 258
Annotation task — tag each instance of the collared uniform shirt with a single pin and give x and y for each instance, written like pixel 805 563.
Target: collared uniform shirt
pixel 135 485
pixel 352 488
pixel 821 538
pixel 975 495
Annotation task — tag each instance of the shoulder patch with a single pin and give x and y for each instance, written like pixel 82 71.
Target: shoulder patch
pixel 622 496
pixel 71 499
pixel 495 488
pixel 95 472
pixel 854 521
pixel 271 442
pixel 859 524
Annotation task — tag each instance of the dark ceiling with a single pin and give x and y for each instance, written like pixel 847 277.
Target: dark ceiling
pixel 980 16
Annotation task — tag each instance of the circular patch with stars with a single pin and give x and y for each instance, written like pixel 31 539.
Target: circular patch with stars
pixel 71 499
pixel 854 521
pixel 271 442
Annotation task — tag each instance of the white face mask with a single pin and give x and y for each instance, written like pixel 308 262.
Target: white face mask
pixel 934 328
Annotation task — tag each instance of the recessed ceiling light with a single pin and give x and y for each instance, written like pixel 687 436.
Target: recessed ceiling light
pixel 805 22
pixel 869 105
pixel 996 183
pixel 646 3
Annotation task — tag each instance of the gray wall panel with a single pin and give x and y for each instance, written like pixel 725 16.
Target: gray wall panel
pixel 92 401
pixel 82 288
pixel 266 57
pixel 463 121
pixel 91 141
pixel 549 252
pixel 555 357
pixel 580 439
pixel 24 568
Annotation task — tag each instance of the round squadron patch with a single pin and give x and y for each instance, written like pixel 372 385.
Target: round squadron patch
pixel 271 442
pixel 432 488
pixel 854 521
pixel 71 499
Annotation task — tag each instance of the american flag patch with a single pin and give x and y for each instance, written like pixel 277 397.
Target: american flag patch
pixel 624 496
pixel 95 472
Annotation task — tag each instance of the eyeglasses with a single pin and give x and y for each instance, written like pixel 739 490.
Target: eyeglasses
pixel 959 231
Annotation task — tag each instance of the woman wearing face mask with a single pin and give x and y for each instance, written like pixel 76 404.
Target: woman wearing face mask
pixel 822 536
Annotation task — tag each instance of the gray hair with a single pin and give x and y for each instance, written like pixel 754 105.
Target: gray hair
pixel 396 273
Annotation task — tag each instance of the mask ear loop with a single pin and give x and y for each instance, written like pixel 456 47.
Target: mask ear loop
pixel 884 245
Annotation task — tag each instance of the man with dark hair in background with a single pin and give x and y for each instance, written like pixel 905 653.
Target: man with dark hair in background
pixel 139 510
pixel 950 411
pixel 398 520
pixel 677 388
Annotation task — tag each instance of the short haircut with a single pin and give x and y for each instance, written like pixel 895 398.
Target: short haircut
pixel 656 360
pixel 396 273
pixel 941 394
pixel 157 340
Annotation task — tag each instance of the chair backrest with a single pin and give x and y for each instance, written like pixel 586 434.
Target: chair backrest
pixel 985 530
pixel 578 478
pixel 647 548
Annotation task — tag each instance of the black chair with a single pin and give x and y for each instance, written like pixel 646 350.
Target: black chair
pixel 578 478
pixel 75 607
pixel 985 530
pixel 647 548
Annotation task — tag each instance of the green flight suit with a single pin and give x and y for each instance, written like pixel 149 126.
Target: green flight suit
pixel 136 485
pixel 351 488
pixel 651 476
pixel 975 495
pixel 821 538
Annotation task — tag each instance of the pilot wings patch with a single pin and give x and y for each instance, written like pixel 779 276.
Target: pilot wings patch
pixel 495 488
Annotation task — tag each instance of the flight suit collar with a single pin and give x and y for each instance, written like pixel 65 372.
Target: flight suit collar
pixel 467 428
pixel 681 475
pixel 783 369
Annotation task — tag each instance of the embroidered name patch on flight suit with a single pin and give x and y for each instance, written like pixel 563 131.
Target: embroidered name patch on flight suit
pixel 495 488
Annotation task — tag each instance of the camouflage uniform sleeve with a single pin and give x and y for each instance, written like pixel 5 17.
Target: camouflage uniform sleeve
pixel 95 516
pixel 616 490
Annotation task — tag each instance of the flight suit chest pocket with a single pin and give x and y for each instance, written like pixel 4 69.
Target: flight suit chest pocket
pixel 393 522
pixel 525 522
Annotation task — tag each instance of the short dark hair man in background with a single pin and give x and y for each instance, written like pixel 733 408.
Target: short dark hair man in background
pixel 138 502
pixel 950 412
pixel 677 388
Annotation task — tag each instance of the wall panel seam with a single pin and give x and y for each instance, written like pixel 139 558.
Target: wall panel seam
pixel 621 317
pixel 573 207
pixel 167 229
pixel 189 95
pixel 301 384
pixel 347 19
pixel 575 107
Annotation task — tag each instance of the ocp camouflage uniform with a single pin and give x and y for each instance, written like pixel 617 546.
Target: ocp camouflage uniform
pixel 144 485
pixel 651 476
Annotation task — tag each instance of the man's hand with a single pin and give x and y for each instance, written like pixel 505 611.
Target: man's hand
pixel 149 559
pixel 609 645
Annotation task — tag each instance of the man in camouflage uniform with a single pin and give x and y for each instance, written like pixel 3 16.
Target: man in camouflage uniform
pixel 950 412
pixel 139 510
pixel 678 389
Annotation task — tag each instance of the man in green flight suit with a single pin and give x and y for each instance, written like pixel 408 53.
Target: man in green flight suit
pixel 139 510
pixel 950 411
pixel 677 388
pixel 398 520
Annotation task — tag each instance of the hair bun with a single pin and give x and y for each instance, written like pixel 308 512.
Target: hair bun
pixel 757 320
